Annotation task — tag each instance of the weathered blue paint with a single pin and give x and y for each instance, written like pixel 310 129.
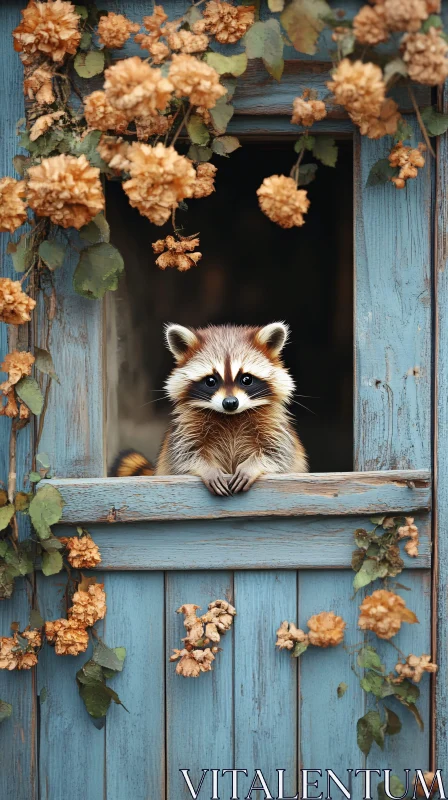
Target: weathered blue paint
pixel 177 497
pixel 258 708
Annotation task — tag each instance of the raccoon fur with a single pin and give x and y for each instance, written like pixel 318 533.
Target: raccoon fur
pixel 230 423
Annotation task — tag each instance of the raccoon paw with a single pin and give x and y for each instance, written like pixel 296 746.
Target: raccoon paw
pixel 216 482
pixel 243 479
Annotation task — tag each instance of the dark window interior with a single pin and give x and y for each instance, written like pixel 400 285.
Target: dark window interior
pixel 251 272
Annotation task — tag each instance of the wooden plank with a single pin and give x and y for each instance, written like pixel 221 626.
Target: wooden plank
pixel 183 496
pixel 68 738
pixel 322 542
pixel 18 742
pixel 393 347
pixel 392 318
pixel 328 723
pixel 409 748
pixel 135 742
pixel 250 126
pixel 199 712
pixel 440 605
pixel 266 722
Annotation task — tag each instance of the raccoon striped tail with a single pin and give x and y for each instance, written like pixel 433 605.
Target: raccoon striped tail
pixel 129 463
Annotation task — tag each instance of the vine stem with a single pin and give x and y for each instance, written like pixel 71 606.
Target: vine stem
pixel 12 476
pixel 420 121
pixel 181 126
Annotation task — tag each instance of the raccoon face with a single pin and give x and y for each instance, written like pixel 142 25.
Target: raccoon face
pixel 228 369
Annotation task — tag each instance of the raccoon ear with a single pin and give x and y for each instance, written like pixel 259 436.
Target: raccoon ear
pixel 273 337
pixel 179 340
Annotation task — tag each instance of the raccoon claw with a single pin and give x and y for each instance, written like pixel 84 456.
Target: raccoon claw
pixel 216 483
pixel 242 480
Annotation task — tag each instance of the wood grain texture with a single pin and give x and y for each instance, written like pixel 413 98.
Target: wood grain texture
pixel 304 543
pixel 135 741
pixel 199 712
pixel 18 742
pixel 266 722
pixel 440 632
pixel 179 497
pixel 71 749
pixel 392 318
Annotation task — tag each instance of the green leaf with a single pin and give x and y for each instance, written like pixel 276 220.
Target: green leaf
pixel 370 729
pixel 370 571
pixel 435 122
pixel 96 231
pixel 396 67
pixel 20 561
pixel 21 253
pixel 306 142
pixel 378 520
pixel 5 710
pixel 82 11
pixel 43 461
pixel 3 548
pixel 199 154
pixel 6 515
pixel 416 713
pixel 307 173
pixel 89 64
pixel 371 682
pixel 368 658
pixel 396 788
pixel 86 41
pixel 44 363
pixel 298 649
pixel 51 562
pixel 98 270
pixel 87 147
pixel 381 172
pixel 121 655
pixel 223 145
pixel 28 391
pixel 6 582
pixel 347 43
pixel 20 164
pixel 45 510
pixel 406 691
pixel 227 65
pixel 341 690
pixel 35 620
pixel 393 722
pixel 107 657
pixel 264 40
pixel 34 477
pixel 221 114
pixel 230 85
pixel 52 253
pixel 433 21
pixel 326 150
pixel 52 543
pixel 197 130
pixel 97 699
pixel 89 674
pixel 303 21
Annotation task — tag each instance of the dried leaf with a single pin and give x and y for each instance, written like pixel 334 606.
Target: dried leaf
pixel 341 690
pixel 44 363
pixel 303 21
pixel 393 722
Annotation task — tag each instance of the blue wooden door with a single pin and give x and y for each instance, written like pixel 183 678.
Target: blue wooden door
pixel 281 552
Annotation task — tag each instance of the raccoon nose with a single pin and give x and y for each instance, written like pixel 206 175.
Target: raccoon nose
pixel 230 403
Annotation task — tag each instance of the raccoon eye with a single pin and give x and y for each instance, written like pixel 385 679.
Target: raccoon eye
pixel 210 380
pixel 246 379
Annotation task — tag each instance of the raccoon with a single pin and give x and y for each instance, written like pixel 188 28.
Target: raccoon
pixel 230 423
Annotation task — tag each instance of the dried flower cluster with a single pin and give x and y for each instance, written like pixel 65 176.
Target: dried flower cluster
pixel 205 180
pixel 414 668
pixel 426 57
pixel 307 111
pixel 19 651
pixel 282 201
pixel 66 189
pixel 69 636
pixel 100 114
pixel 184 41
pixel 410 531
pixel 15 305
pixel 114 151
pixel 225 22
pixel 160 178
pixel 12 207
pixel 428 777
pixel 360 88
pixel 38 85
pixel 370 25
pixel 383 612
pixel 51 28
pixel 177 253
pixel 196 80
pixel 409 160
pixel 136 89
pixel 325 630
pixel 83 553
pixel 17 364
pixel 114 30
pixel 195 657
